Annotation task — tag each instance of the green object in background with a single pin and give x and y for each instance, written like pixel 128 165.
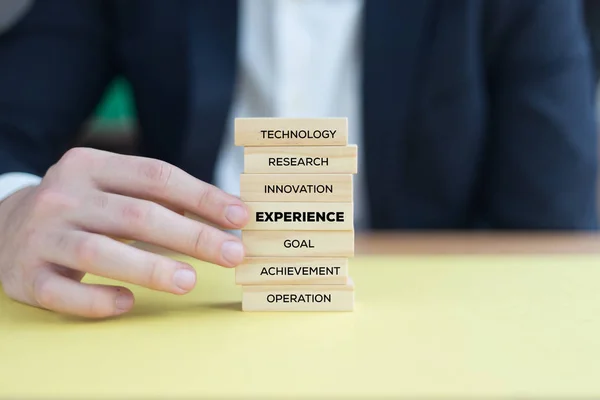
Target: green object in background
pixel 116 111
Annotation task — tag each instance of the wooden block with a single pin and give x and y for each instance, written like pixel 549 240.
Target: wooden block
pixel 298 243
pixel 336 188
pixel 291 132
pixel 301 160
pixel 300 216
pixel 292 271
pixel 299 298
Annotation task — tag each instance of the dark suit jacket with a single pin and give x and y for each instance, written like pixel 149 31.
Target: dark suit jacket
pixel 591 10
pixel 477 113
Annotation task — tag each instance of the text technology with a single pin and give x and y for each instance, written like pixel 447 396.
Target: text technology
pixel 298 134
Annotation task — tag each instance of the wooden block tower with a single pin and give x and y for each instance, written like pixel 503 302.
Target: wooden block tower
pixel 297 182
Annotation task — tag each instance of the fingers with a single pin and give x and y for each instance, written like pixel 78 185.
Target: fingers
pixel 102 256
pixel 159 181
pixel 61 294
pixel 126 217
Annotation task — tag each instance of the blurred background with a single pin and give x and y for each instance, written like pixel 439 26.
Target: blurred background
pixel 113 126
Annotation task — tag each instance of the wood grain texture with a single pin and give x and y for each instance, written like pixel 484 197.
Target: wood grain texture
pixel 298 243
pixel 300 216
pixel 336 188
pixel 306 131
pixel 292 271
pixel 301 160
pixel 299 298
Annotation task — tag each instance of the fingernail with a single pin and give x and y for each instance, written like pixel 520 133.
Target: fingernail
pixel 233 252
pixel 123 302
pixel 236 215
pixel 184 279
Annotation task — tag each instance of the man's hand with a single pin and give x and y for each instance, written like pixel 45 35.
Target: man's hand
pixel 54 233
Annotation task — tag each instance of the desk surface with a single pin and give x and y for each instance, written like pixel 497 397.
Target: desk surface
pixel 431 325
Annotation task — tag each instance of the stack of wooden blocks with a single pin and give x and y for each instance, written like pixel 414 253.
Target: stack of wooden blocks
pixel 297 183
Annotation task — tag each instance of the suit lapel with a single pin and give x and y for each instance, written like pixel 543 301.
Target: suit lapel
pixel 393 42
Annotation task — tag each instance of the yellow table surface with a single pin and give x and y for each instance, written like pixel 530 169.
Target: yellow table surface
pixel 432 326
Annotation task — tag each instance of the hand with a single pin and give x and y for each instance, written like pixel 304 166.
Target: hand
pixel 51 235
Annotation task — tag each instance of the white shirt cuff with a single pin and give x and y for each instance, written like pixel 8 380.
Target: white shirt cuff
pixel 12 182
